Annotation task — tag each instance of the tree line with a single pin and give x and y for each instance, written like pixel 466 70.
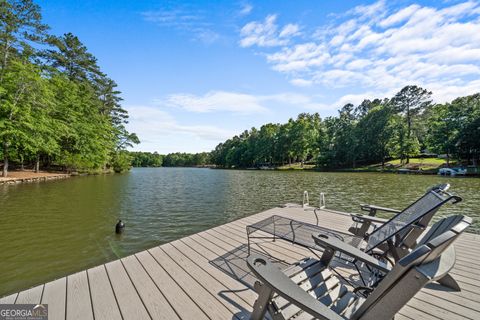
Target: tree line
pixel 178 159
pixel 374 131
pixel 57 108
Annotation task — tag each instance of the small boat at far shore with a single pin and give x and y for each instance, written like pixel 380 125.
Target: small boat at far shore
pixel 452 171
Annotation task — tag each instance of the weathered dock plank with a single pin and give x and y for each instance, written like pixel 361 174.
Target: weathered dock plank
pixel 55 295
pixel 33 295
pixel 204 276
pixel 207 302
pixel 175 295
pixel 152 297
pixel 79 305
pixel 103 299
pixel 9 299
pixel 131 306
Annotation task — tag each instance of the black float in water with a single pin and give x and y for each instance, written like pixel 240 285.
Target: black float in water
pixel 119 227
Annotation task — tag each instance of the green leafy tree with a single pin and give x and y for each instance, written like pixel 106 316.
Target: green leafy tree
pixel 21 121
pixel 305 135
pixel 267 143
pixel 453 128
pixel 376 129
pixel 20 27
pixel 400 145
pixel 443 130
pixel 411 101
pixel 286 141
pixel 71 57
pixel 146 159
pixel 121 162
pixel 342 138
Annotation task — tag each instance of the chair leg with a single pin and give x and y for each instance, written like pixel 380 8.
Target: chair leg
pixel 449 282
pixel 260 306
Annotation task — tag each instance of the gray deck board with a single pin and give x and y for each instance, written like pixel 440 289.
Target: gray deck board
pixel 210 281
pixel 204 276
pixel 152 297
pixel 232 286
pixel 55 295
pixel 33 295
pixel 177 297
pixel 103 299
pixel 207 302
pixel 79 304
pixel 131 306
pixel 9 299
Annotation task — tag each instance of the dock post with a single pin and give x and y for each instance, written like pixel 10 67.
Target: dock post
pixel 305 202
pixel 321 203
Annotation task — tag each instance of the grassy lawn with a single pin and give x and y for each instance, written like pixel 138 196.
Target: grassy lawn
pixel 296 166
pixel 425 161
pixel 421 163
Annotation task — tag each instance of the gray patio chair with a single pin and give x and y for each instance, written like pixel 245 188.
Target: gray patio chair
pixel 311 290
pixel 403 230
pixel 363 223
pixel 393 239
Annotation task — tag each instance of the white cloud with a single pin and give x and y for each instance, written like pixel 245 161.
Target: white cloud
pixel 206 36
pixel 152 124
pixel 246 9
pixel 399 16
pixel 266 34
pixel 190 22
pixel 300 57
pixel 160 131
pixel 380 48
pixel 301 82
pixel 289 30
pixel 368 11
pixel 236 103
pixel 442 93
pixel 215 101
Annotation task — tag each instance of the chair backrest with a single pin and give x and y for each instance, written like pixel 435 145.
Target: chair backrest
pixel 418 213
pixel 440 227
pixel 428 262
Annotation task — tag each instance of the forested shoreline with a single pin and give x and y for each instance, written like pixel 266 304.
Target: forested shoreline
pixel 57 108
pixel 404 126
pixel 177 159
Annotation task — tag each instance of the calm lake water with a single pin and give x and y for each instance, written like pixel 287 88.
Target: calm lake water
pixel 51 229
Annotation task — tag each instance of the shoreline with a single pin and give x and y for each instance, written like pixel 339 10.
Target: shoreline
pixel 15 177
pixel 348 170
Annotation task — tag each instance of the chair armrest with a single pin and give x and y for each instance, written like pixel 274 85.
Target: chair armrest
pixel 277 281
pixel 361 218
pixel 336 244
pixel 439 267
pixel 371 207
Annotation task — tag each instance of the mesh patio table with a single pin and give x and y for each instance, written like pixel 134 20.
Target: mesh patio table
pixel 296 232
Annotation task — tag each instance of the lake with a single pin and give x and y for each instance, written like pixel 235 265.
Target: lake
pixel 51 229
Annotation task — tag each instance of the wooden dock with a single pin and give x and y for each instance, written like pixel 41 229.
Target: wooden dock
pixel 204 276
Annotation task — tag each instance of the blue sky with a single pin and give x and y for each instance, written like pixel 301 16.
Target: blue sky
pixel 195 73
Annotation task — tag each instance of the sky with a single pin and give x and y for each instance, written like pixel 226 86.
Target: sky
pixel 195 73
